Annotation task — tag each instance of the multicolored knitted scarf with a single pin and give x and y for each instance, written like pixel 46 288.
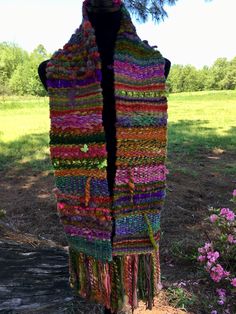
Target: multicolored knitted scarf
pixel 113 240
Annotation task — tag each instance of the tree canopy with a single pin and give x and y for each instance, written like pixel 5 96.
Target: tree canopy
pixel 220 76
pixel 154 8
pixel 19 70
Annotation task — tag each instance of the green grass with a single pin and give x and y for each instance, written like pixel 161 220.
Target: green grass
pixel 199 121
pixel 24 126
pixel 202 121
pixel 180 298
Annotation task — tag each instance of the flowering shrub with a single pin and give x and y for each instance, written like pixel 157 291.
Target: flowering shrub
pixel 218 256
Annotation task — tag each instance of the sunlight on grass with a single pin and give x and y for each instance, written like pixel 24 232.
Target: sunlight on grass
pixel 24 127
pixel 21 117
pixel 202 120
pixel 216 112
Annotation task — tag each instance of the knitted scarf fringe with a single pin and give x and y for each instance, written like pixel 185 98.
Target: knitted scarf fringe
pixel 119 284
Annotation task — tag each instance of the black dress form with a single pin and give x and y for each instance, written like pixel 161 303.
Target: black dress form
pixel 106 26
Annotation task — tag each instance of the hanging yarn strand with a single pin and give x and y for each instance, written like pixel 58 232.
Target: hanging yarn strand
pixel 135 281
pixel 87 191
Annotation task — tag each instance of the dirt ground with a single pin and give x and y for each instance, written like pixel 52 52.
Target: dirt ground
pixel 194 184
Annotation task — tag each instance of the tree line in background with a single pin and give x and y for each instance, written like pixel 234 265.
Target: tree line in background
pixel 19 73
pixel 186 78
pixel 19 70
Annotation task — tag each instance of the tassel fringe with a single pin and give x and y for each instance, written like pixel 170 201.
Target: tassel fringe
pixel 119 284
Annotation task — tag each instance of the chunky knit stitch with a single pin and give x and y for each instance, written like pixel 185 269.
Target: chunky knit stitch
pixel 113 239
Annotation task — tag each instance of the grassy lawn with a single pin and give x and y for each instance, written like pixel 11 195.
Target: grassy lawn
pixel 198 121
pixel 24 125
pixel 202 121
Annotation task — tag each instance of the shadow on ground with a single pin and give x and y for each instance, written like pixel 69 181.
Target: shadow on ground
pixel 202 174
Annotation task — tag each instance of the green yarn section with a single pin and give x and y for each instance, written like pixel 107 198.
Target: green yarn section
pixel 139 83
pixel 73 267
pixel 99 249
pixel 96 163
pixel 137 49
pixel 142 279
pixel 140 95
pixel 68 106
pixel 151 230
pixel 75 139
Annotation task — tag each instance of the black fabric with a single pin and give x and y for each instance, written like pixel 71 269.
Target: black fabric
pixel 106 26
pixel 42 73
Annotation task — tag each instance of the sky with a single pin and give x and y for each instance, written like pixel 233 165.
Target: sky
pixel 195 32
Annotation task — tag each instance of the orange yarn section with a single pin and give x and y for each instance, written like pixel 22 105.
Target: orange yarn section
pixel 143 133
pixel 99 174
pixel 87 191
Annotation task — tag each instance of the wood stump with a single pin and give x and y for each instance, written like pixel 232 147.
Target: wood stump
pixel 35 279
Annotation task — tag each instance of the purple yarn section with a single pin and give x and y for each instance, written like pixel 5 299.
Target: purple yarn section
pixel 140 197
pixel 87 233
pixel 99 187
pixel 148 72
pixel 142 76
pixel 56 83
pixel 159 194
pixel 86 122
pixel 86 220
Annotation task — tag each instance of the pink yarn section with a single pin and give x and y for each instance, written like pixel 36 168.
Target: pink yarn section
pixel 75 121
pixel 76 152
pixel 142 174
pixel 133 70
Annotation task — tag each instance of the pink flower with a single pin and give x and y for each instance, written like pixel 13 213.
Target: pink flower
pixel 234 193
pixel 209 265
pixel 221 302
pixel 226 274
pixel 214 312
pixel 222 296
pixel 233 282
pixel 201 250
pixel 213 256
pixel 230 216
pixel 224 211
pixel 213 218
pixel 231 239
pixel 221 293
pixel 215 277
pixel 217 273
pixel 201 258
pixel 208 246
pixel 227 213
